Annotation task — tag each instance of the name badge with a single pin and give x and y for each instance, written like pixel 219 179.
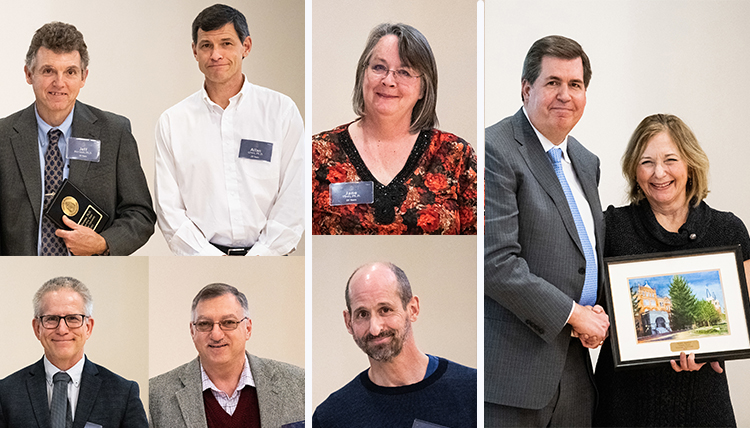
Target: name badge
pixel 256 150
pixel 358 192
pixel 84 149
pixel 424 424
pixel 300 424
pixel 92 425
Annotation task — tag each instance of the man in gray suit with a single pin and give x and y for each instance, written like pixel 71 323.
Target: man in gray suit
pixel 59 137
pixel 225 382
pixel 64 388
pixel 543 231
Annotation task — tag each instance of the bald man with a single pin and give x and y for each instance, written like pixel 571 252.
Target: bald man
pixel 403 386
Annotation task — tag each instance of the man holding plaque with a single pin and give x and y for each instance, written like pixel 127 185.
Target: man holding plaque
pixel 70 176
pixel 543 247
pixel 229 158
pixel 403 387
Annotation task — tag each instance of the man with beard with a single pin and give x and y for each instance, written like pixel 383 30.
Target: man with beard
pixel 403 386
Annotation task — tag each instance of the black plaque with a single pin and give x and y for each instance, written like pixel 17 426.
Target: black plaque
pixel 70 201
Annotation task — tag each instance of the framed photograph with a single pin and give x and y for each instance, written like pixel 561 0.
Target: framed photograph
pixel 689 301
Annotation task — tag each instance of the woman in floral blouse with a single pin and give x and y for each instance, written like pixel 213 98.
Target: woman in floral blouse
pixel 402 176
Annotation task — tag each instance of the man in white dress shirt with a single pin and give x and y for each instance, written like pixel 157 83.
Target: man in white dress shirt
pixel 229 158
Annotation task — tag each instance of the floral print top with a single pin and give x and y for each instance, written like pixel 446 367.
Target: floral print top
pixel 435 193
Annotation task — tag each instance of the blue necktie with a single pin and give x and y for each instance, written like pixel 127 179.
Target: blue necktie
pixel 588 296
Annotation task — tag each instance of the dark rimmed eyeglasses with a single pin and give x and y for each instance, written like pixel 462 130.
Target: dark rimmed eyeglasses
pixel 226 325
pixel 52 321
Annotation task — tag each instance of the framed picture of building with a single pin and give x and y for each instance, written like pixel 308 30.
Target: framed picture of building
pixel 665 303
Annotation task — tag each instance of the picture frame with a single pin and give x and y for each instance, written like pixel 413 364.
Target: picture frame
pixel 693 301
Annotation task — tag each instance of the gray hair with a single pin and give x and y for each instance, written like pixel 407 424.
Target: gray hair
pixel 415 52
pixel 63 283
pixel 219 289
pixel 404 288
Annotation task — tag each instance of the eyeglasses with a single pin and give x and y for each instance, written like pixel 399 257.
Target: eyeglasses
pixel 226 325
pixel 400 75
pixel 52 321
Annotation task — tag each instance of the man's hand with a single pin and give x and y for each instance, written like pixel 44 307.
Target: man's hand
pixel 688 364
pixel 81 240
pixel 591 324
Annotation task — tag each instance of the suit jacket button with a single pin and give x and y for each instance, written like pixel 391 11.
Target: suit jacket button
pixel 582 271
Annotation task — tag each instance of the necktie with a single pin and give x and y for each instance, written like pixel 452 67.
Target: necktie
pixel 59 409
pixel 588 296
pixel 53 176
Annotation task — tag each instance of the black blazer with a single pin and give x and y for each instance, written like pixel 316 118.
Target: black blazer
pixel 104 399
pixel 116 183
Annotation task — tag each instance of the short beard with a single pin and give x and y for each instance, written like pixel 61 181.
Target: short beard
pixel 386 352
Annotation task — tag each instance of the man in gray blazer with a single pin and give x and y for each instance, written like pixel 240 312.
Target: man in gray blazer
pixel 64 388
pixel 93 149
pixel 543 231
pixel 225 381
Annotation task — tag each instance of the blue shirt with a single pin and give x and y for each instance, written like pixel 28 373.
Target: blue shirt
pixel 42 129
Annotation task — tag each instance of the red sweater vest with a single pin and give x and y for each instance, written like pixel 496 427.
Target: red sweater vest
pixel 246 415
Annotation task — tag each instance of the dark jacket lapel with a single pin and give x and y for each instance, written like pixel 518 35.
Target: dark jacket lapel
pixel 37 389
pixel 25 145
pixel 536 158
pixel 90 384
pixel 84 126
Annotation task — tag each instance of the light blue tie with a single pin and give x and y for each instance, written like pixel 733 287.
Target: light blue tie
pixel 588 295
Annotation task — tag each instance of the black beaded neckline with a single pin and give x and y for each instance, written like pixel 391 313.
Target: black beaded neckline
pixel 387 198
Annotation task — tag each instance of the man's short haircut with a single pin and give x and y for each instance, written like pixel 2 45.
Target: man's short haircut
pixel 687 144
pixel 415 52
pixel 58 37
pixel 404 288
pixel 63 283
pixel 217 16
pixel 219 289
pixel 556 47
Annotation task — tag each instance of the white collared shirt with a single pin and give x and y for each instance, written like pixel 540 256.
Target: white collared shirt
pixel 205 193
pixel 227 402
pixel 74 387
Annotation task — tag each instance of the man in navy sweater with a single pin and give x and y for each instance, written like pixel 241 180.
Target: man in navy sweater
pixel 403 387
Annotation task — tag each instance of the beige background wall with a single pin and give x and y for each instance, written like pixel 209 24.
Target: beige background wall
pixel 442 272
pixel 682 57
pixel 142 62
pixel 119 287
pixel 275 289
pixel 339 34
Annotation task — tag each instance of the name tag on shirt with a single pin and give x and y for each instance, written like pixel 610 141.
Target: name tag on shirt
pixel 84 149
pixel 359 192
pixel 256 150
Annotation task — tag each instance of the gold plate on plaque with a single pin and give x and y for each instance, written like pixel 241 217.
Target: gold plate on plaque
pixel 690 345
pixel 69 206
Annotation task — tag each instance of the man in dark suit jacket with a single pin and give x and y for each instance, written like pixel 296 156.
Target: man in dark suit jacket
pixel 97 397
pixel 56 67
pixel 538 318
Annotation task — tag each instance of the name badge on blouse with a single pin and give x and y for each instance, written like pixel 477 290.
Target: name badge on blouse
pixel 359 192
pixel 256 150
pixel 84 149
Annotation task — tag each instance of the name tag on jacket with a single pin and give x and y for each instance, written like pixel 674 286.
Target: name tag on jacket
pixel 84 149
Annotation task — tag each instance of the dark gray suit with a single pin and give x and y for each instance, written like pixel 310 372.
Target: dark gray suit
pixel 116 183
pixel 176 397
pixel 104 399
pixel 534 263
